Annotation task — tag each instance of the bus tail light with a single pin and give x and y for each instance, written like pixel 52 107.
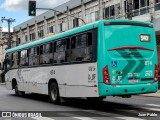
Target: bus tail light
pixel 107 23
pixel 106 78
pixel 156 73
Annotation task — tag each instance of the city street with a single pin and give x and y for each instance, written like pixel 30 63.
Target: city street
pixel 70 54
pixel 112 108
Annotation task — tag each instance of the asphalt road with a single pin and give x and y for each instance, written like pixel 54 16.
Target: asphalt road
pixel 112 108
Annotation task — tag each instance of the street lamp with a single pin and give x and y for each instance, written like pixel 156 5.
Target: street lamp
pixel 9 21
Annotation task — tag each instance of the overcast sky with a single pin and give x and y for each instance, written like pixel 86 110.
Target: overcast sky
pixel 18 9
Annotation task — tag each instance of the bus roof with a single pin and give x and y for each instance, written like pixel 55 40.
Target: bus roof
pixel 74 31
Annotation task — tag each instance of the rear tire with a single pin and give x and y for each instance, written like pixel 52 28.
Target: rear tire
pixel 17 92
pixel 54 93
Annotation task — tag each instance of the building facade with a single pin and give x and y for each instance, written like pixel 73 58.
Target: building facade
pixel 3 43
pixel 50 22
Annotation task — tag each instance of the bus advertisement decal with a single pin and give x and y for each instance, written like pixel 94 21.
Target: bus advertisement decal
pixel 131 63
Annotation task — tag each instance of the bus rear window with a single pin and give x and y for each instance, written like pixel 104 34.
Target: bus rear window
pixel 128 23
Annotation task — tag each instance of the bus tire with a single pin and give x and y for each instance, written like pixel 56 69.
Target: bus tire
pixel 54 93
pixel 17 92
pixel 95 99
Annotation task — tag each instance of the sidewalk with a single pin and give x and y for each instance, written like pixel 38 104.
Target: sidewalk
pixel 2 83
pixel 157 94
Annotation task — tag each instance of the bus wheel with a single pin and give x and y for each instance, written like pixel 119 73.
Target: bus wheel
pixel 95 99
pixel 17 92
pixel 54 93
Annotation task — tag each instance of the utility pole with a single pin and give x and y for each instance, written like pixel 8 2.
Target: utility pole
pixel 0 31
pixel 9 21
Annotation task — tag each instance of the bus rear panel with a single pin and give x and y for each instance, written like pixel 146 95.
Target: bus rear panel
pixel 127 59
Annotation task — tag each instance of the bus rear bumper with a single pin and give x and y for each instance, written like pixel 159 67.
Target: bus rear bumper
pixel 117 90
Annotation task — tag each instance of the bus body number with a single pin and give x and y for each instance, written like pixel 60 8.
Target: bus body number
pixel 91 74
pixel 52 72
pixel 148 73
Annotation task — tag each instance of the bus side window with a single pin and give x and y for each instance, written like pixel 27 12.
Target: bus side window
pixel 60 51
pixel 73 42
pixel 36 55
pixel 18 59
pixel 24 58
pixel 46 55
pixel 15 60
pixel 31 56
pixel 42 47
pixel 81 51
pixel 89 39
pixel 88 49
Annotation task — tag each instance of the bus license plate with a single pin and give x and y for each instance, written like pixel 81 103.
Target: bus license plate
pixel 133 81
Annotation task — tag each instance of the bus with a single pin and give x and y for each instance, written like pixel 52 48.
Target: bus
pixel 104 58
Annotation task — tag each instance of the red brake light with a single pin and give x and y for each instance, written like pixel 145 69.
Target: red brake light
pixel 106 23
pixel 156 73
pixel 106 78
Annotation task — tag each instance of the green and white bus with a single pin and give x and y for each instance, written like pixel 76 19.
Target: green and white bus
pixel 105 58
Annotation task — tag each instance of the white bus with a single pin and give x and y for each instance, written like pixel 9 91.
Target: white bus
pixel 92 61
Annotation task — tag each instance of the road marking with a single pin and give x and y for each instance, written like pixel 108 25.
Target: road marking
pixel 154 109
pixel 42 118
pixel 83 118
pixel 96 112
pixel 129 118
pixel 153 105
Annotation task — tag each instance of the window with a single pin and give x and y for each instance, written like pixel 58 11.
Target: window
pixel 32 36
pixel 41 33
pixel 51 29
pixel 117 9
pixel 140 7
pixel 26 38
pixel 94 16
pixel 18 41
pixel 112 13
pixel 136 4
pixel 75 22
pixel 61 51
pixel 46 55
pixel 60 27
pixel 157 5
pixel 157 1
pixel 81 47
pixel 107 13
pixel 34 56
pixel 24 58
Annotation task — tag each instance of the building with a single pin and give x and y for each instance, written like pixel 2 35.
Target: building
pixel 3 45
pixel 4 42
pixel 51 22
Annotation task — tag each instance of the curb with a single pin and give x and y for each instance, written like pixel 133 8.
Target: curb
pixel 2 83
pixel 150 96
pixel 157 94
